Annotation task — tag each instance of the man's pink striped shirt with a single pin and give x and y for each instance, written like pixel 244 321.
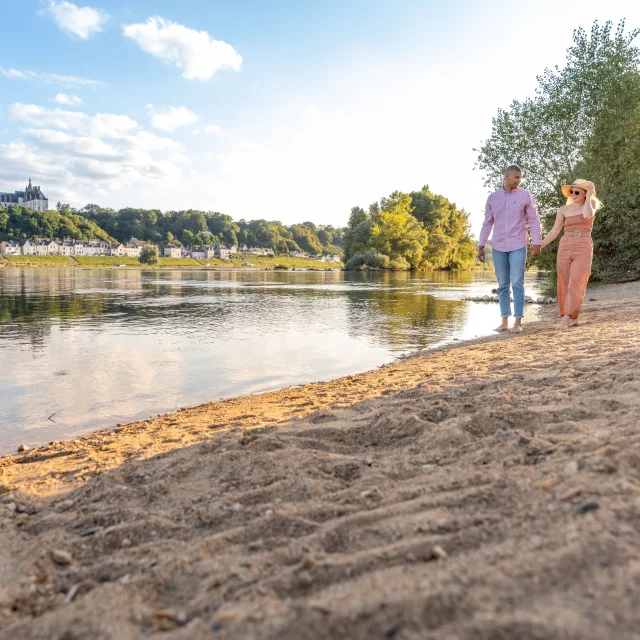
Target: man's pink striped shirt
pixel 508 213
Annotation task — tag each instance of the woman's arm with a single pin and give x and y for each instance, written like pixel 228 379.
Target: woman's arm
pixel 553 234
pixel 588 210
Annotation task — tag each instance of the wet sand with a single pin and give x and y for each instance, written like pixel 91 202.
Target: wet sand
pixel 486 490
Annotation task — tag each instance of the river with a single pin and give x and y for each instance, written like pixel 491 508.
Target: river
pixel 84 349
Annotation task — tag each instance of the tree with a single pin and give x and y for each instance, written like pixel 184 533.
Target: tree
pixel 397 233
pixel 149 255
pixel 450 243
pixel 582 122
pixel 357 216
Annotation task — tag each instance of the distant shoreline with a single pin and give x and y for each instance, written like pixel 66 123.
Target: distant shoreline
pixel 282 263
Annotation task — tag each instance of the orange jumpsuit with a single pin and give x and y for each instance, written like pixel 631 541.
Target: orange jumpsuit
pixel 574 264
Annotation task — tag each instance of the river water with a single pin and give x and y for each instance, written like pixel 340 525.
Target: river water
pixel 85 349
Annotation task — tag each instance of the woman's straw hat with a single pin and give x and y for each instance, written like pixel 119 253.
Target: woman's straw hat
pixel 581 184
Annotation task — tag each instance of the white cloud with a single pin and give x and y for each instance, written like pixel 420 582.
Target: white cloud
pixel 63 143
pixel 212 129
pixel 171 118
pixel 69 100
pixel 180 158
pixel 15 74
pixel 100 125
pixel 49 78
pixel 87 155
pixel 196 53
pixel 79 21
pixel 149 142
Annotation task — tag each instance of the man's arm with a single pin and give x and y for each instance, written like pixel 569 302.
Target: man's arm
pixel 487 225
pixel 533 218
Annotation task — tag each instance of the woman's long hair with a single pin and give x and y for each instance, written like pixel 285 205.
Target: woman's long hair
pixel 595 202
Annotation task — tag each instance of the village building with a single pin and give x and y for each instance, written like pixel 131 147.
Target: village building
pixel 31 198
pixel 68 247
pixel 171 251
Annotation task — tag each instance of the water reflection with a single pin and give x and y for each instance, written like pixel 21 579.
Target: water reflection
pixel 104 346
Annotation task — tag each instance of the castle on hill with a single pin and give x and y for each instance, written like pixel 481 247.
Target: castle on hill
pixel 31 198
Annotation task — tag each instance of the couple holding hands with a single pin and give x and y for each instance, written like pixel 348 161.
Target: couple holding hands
pixel 507 212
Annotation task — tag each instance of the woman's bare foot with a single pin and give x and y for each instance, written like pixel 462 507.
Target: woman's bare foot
pixel 573 323
pixel 564 323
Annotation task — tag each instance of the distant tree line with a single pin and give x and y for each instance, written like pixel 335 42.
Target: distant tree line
pixel 418 230
pixel 18 222
pixel 193 227
pixel 190 227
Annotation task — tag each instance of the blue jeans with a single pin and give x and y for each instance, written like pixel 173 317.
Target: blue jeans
pixel 509 266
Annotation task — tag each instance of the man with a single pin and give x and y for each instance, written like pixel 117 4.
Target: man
pixel 507 212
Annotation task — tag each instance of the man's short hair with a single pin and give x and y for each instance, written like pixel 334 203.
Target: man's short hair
pixel 513 167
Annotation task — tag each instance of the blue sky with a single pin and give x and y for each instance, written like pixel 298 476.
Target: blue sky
pixel 283 110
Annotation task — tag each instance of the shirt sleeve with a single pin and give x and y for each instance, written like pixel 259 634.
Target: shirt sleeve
pixel 487 225
pixel 533 218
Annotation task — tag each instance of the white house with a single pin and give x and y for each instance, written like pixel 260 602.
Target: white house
pixel 46 247
pixel 10 248
pixel 220 251
pixel 27 248
pixel 66 247
pixel 299 254
pixel 260 251
pixel 133 250
pixel 171 251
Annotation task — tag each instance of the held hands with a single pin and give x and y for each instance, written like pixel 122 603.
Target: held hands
pixel 535 250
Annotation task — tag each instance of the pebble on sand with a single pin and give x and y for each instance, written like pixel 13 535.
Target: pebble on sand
pixel 63 505
pixel 572 468
pixel 23 448
pixel 435 553
pixel 61 557
pixel 589 506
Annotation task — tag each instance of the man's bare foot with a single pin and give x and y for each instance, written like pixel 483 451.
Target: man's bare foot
pixel 501 328
pixel 517 328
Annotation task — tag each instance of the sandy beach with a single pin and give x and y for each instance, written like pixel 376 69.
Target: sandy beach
pixel 487 490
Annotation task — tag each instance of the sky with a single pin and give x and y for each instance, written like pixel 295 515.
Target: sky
pixel 278 109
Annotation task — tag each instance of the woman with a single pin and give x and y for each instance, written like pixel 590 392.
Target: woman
pixel 576 248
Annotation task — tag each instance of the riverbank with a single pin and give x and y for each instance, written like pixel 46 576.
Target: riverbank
pixel 487 490
pixel 107 262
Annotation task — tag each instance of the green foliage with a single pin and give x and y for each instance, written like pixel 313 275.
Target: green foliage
pixel 420 230
pixel 357 216
pixel 211 227
pixel 398 234
pixel 369 258
pixel 18 222
pixel 583 122
pixel 174 227
pixel 149 254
